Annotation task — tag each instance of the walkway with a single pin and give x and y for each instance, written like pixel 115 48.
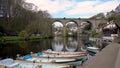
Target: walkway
pixel 109 57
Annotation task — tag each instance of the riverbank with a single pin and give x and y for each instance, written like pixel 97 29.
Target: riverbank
pixel 17 38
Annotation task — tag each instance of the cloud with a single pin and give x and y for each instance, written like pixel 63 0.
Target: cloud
pixel 90 7
pixel 52 6
pixel 75 7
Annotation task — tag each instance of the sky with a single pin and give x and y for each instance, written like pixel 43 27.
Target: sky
pixel 75 8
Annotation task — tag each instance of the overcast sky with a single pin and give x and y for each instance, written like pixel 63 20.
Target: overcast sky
pixel 75 8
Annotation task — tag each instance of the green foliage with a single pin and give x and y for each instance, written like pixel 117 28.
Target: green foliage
pixel 93 42
pixel 18 38
pixel 26 18
pixel 12 38
pixel 23 34
pixel 93 33
pixel 40 26
pixel 35 22
pixel 114 18
pixel 87 27
pixel 111 18
pixel 118 18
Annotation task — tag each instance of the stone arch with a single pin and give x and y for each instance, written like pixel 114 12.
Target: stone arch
pixel 90 23
pixel 71 27
pixel 72 21
pixel 57 27
pixel 58 21
pixel 87 21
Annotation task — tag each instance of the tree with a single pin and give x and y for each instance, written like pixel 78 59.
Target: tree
pixel 33 21
pixel 87 27
pixel 41 26
pixel 112 18
pixel 23 34
pixel 93 33
pixel 17 17
pixel 43 14
pixel 27 17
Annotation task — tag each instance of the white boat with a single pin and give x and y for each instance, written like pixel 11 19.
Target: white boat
pixel 49 51
pixel 71 59
pixel 93 49
pixel 9 63
pixel 75 55
pixel 52 60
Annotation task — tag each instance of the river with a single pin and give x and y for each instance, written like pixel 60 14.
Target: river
pixel 11 49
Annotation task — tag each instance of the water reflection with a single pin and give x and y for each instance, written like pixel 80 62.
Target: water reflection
pixel 64 44
pixel 57 44
pixel 11 49
pixel 71 45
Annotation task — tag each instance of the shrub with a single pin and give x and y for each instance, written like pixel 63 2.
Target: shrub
pixel 23 34
pixel 87 27
pixel 93 33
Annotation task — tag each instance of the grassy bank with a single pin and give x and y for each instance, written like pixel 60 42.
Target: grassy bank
pixel 17 38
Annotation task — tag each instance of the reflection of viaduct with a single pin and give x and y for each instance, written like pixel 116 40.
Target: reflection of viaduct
pixel 78 21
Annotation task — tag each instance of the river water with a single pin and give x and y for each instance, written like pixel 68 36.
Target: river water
pixel 11 49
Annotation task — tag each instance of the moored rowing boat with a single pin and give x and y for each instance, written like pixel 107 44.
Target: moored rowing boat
pixel 29 64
